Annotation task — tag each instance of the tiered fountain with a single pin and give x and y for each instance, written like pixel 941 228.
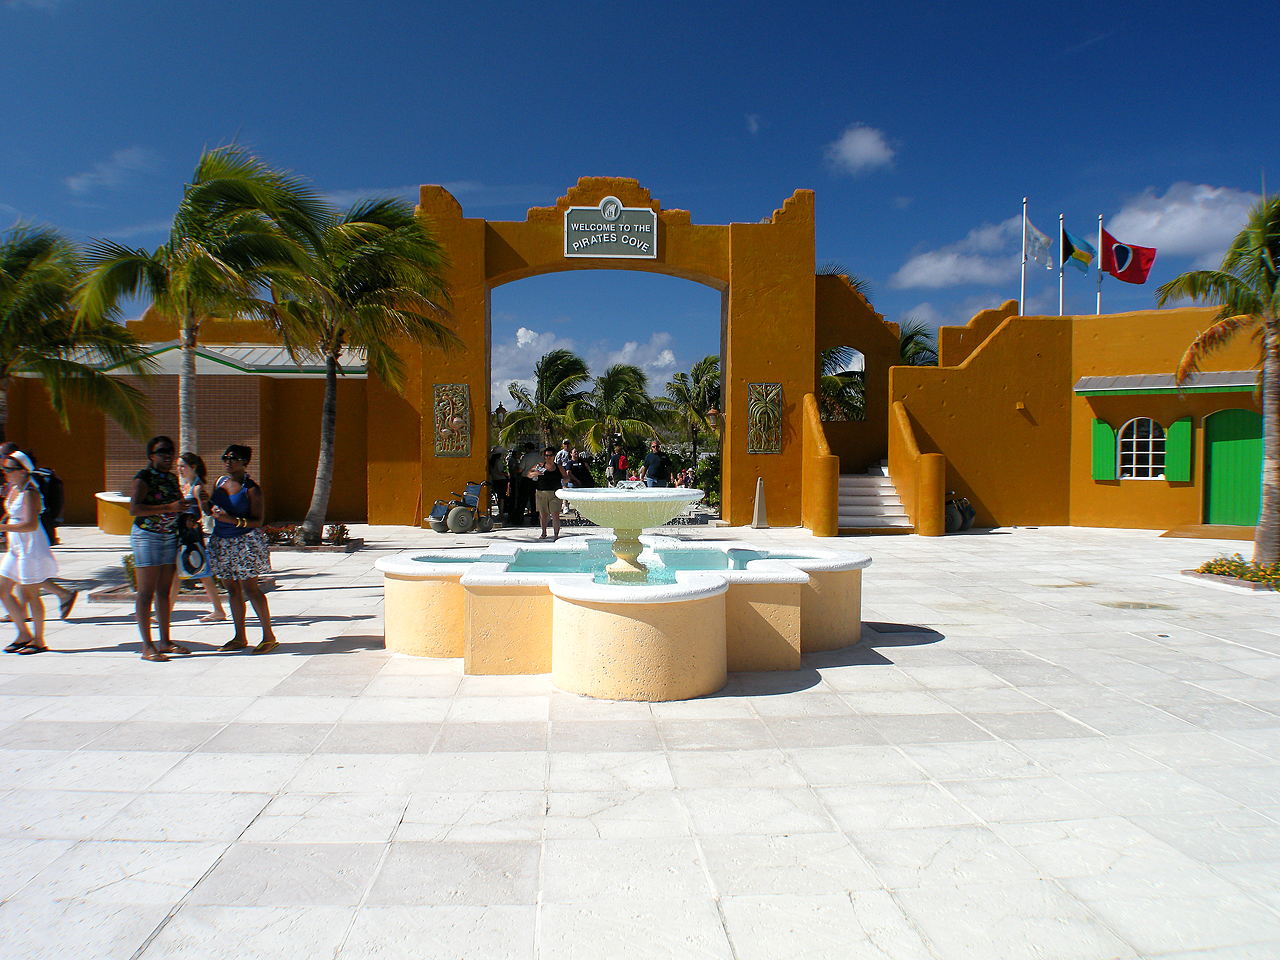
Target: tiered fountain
pixel 613 630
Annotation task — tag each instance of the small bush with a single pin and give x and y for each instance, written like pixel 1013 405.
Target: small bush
pixel 1239 568
pixel 282 532
pixel 130 571
pixel 337 533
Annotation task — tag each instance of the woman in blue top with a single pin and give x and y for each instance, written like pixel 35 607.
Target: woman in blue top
pixel 238 550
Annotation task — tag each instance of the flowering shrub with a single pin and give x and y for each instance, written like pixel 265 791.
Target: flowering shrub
pixel 337 533
pixel 1241 569
pixel 282 533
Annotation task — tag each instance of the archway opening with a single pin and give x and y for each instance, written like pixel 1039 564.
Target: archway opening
pixel 662 325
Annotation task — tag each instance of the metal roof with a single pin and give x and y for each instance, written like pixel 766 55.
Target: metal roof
pixel 1223 381
pixel 251 359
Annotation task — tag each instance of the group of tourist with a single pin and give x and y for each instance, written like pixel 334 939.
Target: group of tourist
pixel 181 529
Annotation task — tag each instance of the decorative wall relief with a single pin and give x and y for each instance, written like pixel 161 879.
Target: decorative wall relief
pixel 451 403
pixel 764 418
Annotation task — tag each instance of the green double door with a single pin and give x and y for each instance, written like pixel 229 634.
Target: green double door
pixel 1233 467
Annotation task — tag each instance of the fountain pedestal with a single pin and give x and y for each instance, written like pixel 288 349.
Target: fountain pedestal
pixel 629 511
pixel 626 568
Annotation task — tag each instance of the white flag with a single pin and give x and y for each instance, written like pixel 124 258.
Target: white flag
pixel 1039 246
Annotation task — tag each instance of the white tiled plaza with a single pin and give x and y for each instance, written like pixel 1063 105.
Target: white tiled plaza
pixel 1048 745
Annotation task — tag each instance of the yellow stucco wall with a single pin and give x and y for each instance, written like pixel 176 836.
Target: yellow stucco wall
pixel 845 318
pixel 762 626
pixel 764 270
pixel 1018 442
pixel 1144 342
pixel 423 616
pixel 77 455
pixel 1011 461
pixel 508 629
pixel 658 651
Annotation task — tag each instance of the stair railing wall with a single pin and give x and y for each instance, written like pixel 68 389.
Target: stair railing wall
pixel 919 477
pixel 820 478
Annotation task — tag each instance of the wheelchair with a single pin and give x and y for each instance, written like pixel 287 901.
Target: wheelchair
pixel 469 511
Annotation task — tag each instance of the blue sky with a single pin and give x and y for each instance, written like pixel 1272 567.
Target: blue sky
pixel 921 126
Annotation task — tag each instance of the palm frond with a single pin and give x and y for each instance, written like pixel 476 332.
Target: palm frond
pixel 1213 339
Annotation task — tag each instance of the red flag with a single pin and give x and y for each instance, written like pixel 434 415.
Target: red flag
pixel 1126 262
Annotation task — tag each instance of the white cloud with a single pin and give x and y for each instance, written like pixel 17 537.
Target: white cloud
pixel 656 358
pixel 859 149
pixel 514 360
pixel 1189 220
pixel 114 172
pixel 753 123
pixel 140 230
pixel 990 254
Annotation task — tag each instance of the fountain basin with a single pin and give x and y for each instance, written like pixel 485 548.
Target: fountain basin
pixel 515 609
pixel 628 509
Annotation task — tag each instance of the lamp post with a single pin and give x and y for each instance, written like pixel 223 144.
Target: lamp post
pixel 499 417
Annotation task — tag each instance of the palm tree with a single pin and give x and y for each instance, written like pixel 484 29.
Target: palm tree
pixel 39 334
pixel 234 233
pixel 1246 288
pixel 558 380
pixel 617 406
pixel 835 269
pixel 689 397
pixel 916 343
pixel 841 391
pixel 376 278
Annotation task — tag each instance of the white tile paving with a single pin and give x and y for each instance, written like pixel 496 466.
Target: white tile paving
pixel 1048 745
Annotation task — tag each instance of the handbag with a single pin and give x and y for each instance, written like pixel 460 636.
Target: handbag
pixel 192 553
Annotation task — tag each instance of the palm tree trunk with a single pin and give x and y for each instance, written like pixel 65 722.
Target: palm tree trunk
pixel 313 525
pixel 1266 538
pixel 188 442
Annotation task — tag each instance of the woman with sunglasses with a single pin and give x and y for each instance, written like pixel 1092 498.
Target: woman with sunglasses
pixel 154 503
pixel 238 550
pixel 28 562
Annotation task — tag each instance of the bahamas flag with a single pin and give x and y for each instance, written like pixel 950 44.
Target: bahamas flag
pixel 1079 253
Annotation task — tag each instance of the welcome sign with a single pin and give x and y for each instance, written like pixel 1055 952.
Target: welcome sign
pixel 611 231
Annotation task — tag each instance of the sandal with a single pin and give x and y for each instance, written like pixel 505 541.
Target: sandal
pixel 17 645
pixel 175 648
pixel 30 649
pixel 68 604
pixel 211 618
pixel 156 657
pixel 232 645
pixel 266 646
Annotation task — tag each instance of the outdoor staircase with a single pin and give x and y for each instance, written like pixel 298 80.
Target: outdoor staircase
pixel 869 503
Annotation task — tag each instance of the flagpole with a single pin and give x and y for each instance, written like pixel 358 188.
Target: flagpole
pixel 1062 253
pixel 1100 258
pixel 1022 292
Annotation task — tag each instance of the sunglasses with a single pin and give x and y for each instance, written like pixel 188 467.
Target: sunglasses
pixel 14 468
pixel 162 452
pixel 228 458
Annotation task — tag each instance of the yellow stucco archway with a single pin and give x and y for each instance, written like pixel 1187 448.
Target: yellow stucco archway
pixel 764 272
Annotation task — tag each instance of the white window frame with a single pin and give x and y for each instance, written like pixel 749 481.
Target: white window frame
pixel 1146 455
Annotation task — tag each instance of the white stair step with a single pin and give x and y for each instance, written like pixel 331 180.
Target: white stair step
pixel 871 522
pixel 866 483
pixel 880 510
pixel 852 500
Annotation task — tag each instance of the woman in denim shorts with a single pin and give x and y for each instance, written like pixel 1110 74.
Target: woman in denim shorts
pixel 155 503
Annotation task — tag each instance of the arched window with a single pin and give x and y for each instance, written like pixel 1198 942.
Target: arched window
pixel 1140 450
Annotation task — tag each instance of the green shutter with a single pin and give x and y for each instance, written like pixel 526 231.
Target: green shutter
pixel 1177 451
pixel 1104 451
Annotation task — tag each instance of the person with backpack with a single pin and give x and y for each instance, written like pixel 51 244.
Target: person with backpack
pixel 52 499
pixel 28 562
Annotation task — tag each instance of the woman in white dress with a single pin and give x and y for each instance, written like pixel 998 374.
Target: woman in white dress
pixel 28 561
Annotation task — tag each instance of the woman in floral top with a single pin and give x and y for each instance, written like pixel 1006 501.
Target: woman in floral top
pixel 155 503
